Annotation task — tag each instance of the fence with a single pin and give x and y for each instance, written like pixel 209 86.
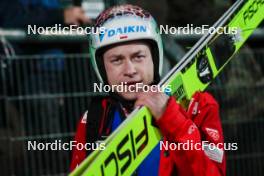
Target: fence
pixel 43 96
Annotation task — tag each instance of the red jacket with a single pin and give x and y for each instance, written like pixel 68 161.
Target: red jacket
pixel 200 123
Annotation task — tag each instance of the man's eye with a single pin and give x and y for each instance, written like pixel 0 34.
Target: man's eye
pixel 139 57
pixel 116 61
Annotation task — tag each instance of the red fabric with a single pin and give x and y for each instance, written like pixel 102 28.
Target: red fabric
pixel 179 126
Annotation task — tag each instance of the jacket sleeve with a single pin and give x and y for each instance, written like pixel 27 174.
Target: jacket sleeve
pixel 178 127
pixel 204 111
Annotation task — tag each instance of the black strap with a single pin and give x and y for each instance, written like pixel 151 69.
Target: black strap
pixel 94 118
pixel 97 115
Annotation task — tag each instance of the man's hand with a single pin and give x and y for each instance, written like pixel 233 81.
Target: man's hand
pixel 155 101
pixel 75 16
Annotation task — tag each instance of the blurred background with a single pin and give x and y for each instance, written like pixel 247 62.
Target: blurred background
pixel 46 80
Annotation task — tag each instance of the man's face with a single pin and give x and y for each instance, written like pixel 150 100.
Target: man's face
pixel 131 63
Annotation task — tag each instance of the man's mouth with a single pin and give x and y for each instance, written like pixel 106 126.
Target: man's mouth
pixel 133 83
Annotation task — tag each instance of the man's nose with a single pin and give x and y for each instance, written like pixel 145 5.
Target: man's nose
pixel 129 69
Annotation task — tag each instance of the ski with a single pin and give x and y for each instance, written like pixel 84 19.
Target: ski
pixel 135 138
pixel 230 11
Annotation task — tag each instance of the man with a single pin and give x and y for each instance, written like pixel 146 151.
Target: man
pixel 128 53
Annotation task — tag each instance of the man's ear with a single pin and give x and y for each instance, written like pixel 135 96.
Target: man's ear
pixel 155 59
pixel 100 64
